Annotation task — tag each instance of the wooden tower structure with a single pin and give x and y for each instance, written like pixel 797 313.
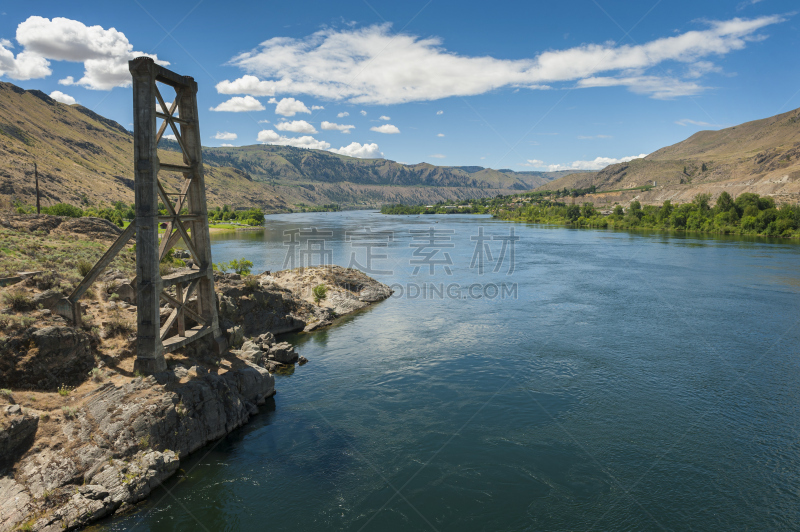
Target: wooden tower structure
pixel 176 290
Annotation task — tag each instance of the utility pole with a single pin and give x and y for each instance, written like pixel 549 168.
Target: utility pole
pixel 36 177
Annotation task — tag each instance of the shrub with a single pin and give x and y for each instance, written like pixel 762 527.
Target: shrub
pixel 64 209
pixel 251 283
pixel 118 327
pixel 320 293
pixel 97 374
pixel 18 300
pixel 69 412
pixel 164 269
pixel 242 266
pixel 63 390
pixel 84 267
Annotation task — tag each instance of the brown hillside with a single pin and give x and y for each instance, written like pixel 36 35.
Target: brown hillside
pixel 762 156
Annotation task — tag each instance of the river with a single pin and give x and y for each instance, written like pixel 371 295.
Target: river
pixel 590 380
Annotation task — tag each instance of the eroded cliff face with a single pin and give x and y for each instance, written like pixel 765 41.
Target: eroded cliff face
pixel 122 439
pixel 82 436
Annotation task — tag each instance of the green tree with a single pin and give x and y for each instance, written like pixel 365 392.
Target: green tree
pixel 320 293
pixel 724 202
pixel 573 213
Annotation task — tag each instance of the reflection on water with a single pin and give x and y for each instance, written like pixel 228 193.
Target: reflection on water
pixel 640 381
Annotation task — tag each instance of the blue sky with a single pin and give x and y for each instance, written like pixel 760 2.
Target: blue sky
pixel 520 85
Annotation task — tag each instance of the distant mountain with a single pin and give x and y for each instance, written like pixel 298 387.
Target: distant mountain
pixel 86 158
pixel 762 156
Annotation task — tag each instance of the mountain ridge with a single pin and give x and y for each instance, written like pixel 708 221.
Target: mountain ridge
pixel 86 158
pixel 760 156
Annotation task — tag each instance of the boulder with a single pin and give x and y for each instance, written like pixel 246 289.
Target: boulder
pixel 46 358
pixel 16 434
pixel 283 352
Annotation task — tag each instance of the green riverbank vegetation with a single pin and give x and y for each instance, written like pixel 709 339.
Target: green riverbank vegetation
pixel 748 214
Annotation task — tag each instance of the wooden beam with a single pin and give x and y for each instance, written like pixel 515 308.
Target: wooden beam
pixel 180 168
pixel 104 261
pixel 150 350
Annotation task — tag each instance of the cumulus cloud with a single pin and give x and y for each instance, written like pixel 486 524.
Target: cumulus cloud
pixel 239 104
pixel 268 136
pixel 332 126
pixel 289 107
pixel 103 52
pixel 315 107
pixel 363 113
pixel 365 151
pixel 536 163
pixel 439 112
pixel 440 135
pixel 169 137
pixel 246 85
pixel 225 135
pixel 438 156
pixel 388 129
pixel 597 164
pixel 227 145
pixel 61 97
pixel 373 65
pixel 296 126
pixel 384 117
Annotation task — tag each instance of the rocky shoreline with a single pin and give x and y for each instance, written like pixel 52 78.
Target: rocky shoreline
pixel 83 437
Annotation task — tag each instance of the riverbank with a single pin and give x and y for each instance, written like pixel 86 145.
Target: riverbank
pixel 81 435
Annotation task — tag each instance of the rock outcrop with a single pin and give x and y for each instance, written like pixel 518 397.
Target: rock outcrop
pixel 122 441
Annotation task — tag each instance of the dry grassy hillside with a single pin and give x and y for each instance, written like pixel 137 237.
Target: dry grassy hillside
pixel 762 156
pixel 85 158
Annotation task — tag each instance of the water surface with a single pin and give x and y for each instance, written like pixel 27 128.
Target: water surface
pixel 639 381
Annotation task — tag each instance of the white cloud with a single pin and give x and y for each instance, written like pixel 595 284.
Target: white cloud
pixel 440 135
pixel 658 87
pixel 343 114
pixel 365 151
pixel 247 85
pixel 384 117
pixel 227 145
pixel 316 107
pixel 687 121
pixel 590 137
pixel 536 163
pixel 389 129
pixel 61 97
pixel 289 107
pixel 225 135
pixel 747 3
pixel 439 112
pixel 239 104
pixel 438 156
pixel 363 113
pixel 169 136
pixel 598 164
pixel 263 122
pixel 331 126
pixel 268 136
pixel 103 52
pixel 372 65
pixel 296 126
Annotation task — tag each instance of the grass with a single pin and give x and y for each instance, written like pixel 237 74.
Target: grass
pixel 69 412
pixel 63 390
pixel 97 374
